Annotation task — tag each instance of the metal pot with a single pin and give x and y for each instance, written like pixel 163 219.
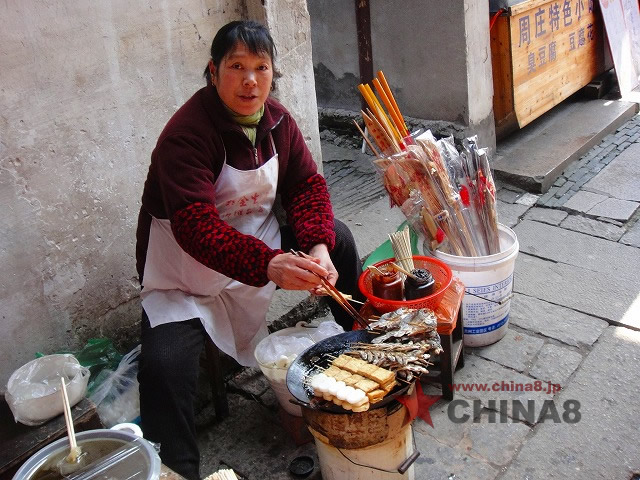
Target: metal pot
pixel 145 462
pixel 319 357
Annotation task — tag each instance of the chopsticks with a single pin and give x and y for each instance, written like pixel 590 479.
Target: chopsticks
pixel 335 294
pixel 68 419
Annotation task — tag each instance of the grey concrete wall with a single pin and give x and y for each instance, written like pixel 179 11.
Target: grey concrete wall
pixel 335 53
pixel 435 56
pixel 85 89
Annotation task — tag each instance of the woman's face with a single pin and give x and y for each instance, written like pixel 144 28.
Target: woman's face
pixel 243 79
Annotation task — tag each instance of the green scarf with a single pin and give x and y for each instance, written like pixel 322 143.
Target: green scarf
pixel 248 122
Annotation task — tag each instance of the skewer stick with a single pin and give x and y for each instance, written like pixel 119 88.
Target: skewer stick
pixel 379 136
pixel 388 136
pixel 387 103
pixel 373 268
pixel 373 103
pixel 335 294
pixel 384 119
pixel 366 139
pixel 385 86
pixel 403 270
pixel 368 99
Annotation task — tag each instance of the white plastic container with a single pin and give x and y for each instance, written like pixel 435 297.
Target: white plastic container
pixel 488 285
pixel 33 390
pixel 276 372
pixel 366 463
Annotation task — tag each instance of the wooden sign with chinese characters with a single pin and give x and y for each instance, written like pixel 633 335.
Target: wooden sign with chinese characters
pixel 543 52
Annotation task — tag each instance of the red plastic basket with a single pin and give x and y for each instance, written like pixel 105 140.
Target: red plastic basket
pixel 441 274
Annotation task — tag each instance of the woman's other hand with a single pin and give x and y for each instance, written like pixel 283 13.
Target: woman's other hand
pixel 291 272
pixel 321 253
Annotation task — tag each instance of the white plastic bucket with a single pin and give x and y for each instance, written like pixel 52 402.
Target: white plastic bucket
pixel 366 463
pixel 488 284
pixel 277 375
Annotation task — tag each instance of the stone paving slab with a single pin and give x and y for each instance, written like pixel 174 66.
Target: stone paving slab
pixel 584 201
pixel 632 237
pixel 604 443
pixel 438 461
pixel 490 383
pixel 614 208
pixel 496 443
pixel 555 364
pixel 592 227
pixel 621 178
pixel 528 199
pixel 515 350
pixel 590 253
pixel 546 215
pixel 509 213
pixel 251 440
pixel 607 295
pixel 554 321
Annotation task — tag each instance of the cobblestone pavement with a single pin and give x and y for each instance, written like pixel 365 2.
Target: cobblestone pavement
pixel 588 166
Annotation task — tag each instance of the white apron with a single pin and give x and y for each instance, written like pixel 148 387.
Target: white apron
pixel 177 287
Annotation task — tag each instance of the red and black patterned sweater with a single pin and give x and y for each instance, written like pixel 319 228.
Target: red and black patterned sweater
pixel 180 186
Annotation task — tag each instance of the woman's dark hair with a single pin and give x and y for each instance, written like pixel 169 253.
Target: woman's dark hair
pixel 253 34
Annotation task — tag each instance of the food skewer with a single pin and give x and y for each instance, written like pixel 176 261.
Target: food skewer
pixel 335 294
pixel 381 137
pixel 366 139
pixel 346 297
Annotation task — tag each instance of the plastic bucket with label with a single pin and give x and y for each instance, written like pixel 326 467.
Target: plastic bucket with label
pixel 488 284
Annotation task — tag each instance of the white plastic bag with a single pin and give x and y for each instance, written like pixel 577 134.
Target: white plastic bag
pixel 33 390
pixel 117 398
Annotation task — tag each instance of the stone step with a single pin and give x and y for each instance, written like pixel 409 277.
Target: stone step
pixel 534 157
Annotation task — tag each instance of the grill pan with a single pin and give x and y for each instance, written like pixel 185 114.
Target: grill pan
pixel 318 357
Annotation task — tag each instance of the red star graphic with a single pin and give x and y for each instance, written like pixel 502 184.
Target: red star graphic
pixel 418 404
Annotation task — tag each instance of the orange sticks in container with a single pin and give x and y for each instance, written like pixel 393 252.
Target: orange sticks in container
pixel 386 127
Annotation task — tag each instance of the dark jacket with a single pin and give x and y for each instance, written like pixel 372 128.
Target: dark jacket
pixel 188 158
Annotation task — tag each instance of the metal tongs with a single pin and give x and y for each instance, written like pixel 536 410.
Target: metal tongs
pixel 335 293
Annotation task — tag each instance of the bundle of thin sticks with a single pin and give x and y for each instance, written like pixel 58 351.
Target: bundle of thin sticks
pixel 449 202
pixel 387 128
pixel 401 245
pixel 225 474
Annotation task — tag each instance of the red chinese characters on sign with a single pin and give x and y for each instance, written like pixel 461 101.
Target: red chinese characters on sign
pixel 544 29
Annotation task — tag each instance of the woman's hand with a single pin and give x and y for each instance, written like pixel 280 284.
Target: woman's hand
pixel 291 272
pixel 321 252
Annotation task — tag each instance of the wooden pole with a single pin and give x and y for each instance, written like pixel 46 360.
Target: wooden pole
pixel 365 56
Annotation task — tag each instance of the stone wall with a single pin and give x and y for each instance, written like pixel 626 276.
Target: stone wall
pixel 85 89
